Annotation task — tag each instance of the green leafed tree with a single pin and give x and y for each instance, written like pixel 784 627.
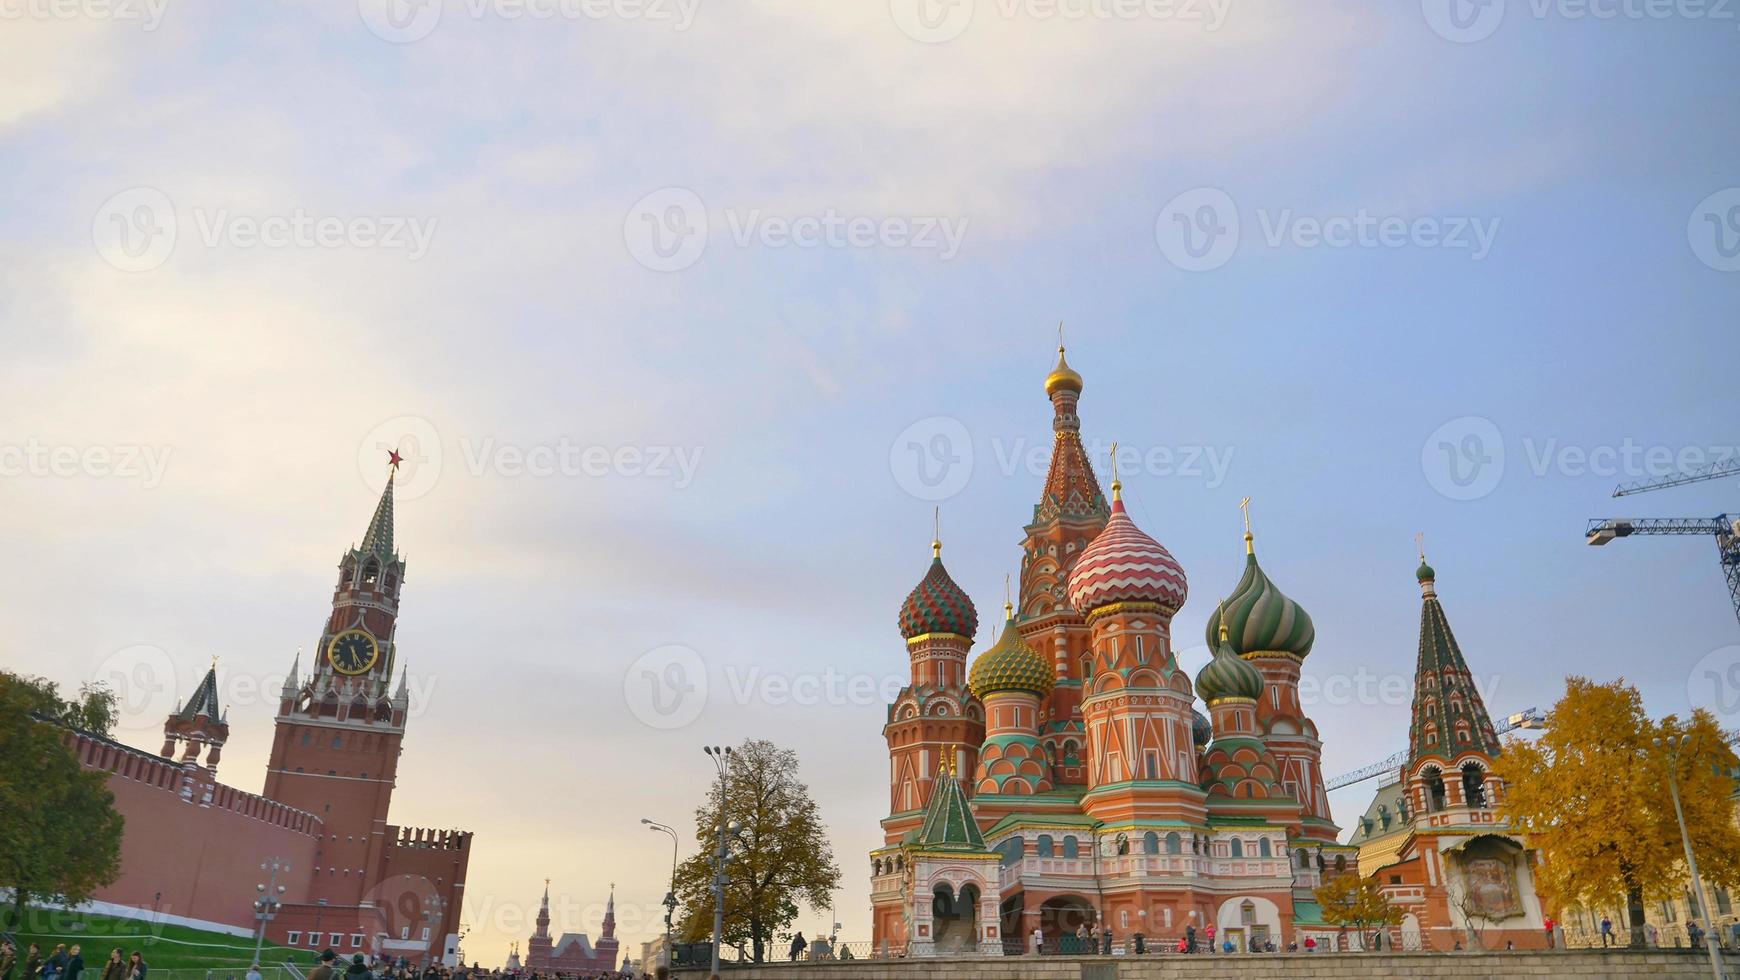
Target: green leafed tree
pixel 61 836
pixel 780 860
pixel 1592 796
pixel 1356 902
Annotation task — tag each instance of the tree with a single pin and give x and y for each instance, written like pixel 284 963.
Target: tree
pixel 1591 795
pixel 61 839
pixel 779 859
pixel 1357 901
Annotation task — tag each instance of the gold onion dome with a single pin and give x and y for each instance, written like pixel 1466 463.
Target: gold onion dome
pixel 1011 665
pixel 1228 675
pixel 1259 618
pixel 1063 377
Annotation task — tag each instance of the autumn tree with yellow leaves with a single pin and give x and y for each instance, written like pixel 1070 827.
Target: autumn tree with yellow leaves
pixel 1592 797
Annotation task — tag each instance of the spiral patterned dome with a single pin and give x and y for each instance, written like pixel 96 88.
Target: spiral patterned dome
pixel 1228 675
pixel 1125 565
pixel 1011 665
pixel 1201 729
pixel 937 605
pixel 1260 619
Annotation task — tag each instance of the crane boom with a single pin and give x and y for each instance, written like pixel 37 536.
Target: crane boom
pixel 1714 471
pixel 1526 718
pixel 1725 528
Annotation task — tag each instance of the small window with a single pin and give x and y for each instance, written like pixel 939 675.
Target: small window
pixel 337 940
pixel 1238 848
pixel 1150 843
pixel 1046 848
pixel 1071 847
pixel 293 939
pixel 1174 843
pixel 1264 849
pixel 356 940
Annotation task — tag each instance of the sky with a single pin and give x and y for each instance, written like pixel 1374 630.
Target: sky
pixel 688 313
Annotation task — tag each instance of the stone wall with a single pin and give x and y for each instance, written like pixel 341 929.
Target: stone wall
pixel 1611 965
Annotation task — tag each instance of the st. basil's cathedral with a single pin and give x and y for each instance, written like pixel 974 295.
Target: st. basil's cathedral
pixel 1068 777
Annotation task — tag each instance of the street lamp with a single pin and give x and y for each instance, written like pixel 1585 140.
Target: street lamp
pixel 270 900
pixel 1673 744
pixel 670 896
pixel 722 762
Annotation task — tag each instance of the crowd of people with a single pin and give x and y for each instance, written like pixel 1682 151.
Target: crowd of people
pixel 68 963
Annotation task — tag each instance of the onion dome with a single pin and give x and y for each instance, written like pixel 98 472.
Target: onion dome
pixel 937 604
pixel 1425 572
pixel 1063 377
pixel 1201 730
pixel 1228 675
pixel 1123 564
pixel 1259 618
pixel 1011 665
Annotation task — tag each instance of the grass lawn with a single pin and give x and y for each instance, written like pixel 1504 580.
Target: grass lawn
pixel 165 947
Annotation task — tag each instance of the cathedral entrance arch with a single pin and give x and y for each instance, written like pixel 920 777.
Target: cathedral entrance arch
pixel 954 918
pixel 1061 916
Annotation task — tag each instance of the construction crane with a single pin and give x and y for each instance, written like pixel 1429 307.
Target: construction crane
pixel 1724 527
pixel 1527 718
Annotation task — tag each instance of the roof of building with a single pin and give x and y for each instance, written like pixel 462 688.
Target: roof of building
pixel 1124 564
pixel 1011 665
pixel 948 821
pixel 937 605
pixel 378 539
pixel 1260 618
pixel 1447 703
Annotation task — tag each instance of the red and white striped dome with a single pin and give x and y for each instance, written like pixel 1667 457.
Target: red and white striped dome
pixel 1123 564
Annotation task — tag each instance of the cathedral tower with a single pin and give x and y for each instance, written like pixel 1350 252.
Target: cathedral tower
pixel 335 751
pixel 935 721
pixel 1070 513
pixel 1451 743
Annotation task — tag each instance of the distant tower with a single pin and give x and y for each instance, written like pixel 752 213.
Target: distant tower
pixel 198 725
pixel 607 944
pixel 335 752
pixel 538 947
pixel 1070 513
pixel 934 722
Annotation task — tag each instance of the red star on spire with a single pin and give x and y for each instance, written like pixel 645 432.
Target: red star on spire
pixel 394 459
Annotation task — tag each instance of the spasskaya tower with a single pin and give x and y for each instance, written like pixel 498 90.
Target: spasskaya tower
pixel 335 751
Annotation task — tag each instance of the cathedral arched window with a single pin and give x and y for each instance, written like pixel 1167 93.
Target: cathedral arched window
pixel 1071 847
pixel 1123 844
pixel 1174 843
pixel 1264 849
pixel 371 571
pixel 1046 846
pixel 1341 862
pixel 1150 843
pixel 1434 780
pixel 1305 859
pixel 1238 848
pixel 337 741
pixel 1474 785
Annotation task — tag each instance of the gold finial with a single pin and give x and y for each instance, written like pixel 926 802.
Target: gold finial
pixel 1220 614
pixel 1117 485
pixel 936 532
pixel 1245 506
pixel 1060 336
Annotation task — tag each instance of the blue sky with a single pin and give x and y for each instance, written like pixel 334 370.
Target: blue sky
pixel 537 313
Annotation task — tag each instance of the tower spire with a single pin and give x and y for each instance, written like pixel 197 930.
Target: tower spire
pixel 1250 539
pixel 936 532
pixel 378 539
pixel 1449 716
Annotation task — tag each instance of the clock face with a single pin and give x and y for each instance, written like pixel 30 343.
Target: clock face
pixel 353 652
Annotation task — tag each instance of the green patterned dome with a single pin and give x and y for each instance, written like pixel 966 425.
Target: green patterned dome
pixel 1425 574
pixel 1011 665
pixel 938 605
pixel 1260 618
pixel 1228 675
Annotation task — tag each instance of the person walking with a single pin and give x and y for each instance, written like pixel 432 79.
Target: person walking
pixel 75 964
pixel 8 959
pixel 1038 941
pixel 32 963
pixel 324 970
pixel 358 970
pixel 798 945
pixel 1694 934
pixel 136 967
pixel 1549 925
pixel 116 967
pixel 55 965
pixel 253 972
pixel 1606 932
pixel 1190 938
pixel 1209 932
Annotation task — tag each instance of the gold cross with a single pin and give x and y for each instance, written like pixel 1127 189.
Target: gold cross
pixel 1245 505
pixel 1420 539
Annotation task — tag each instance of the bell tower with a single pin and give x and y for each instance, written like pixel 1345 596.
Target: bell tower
pixel 335 750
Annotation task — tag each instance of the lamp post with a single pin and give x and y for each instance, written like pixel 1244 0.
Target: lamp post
pixel 722 762
pixel 267 905
pixel 670 896
pixel 1673 744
